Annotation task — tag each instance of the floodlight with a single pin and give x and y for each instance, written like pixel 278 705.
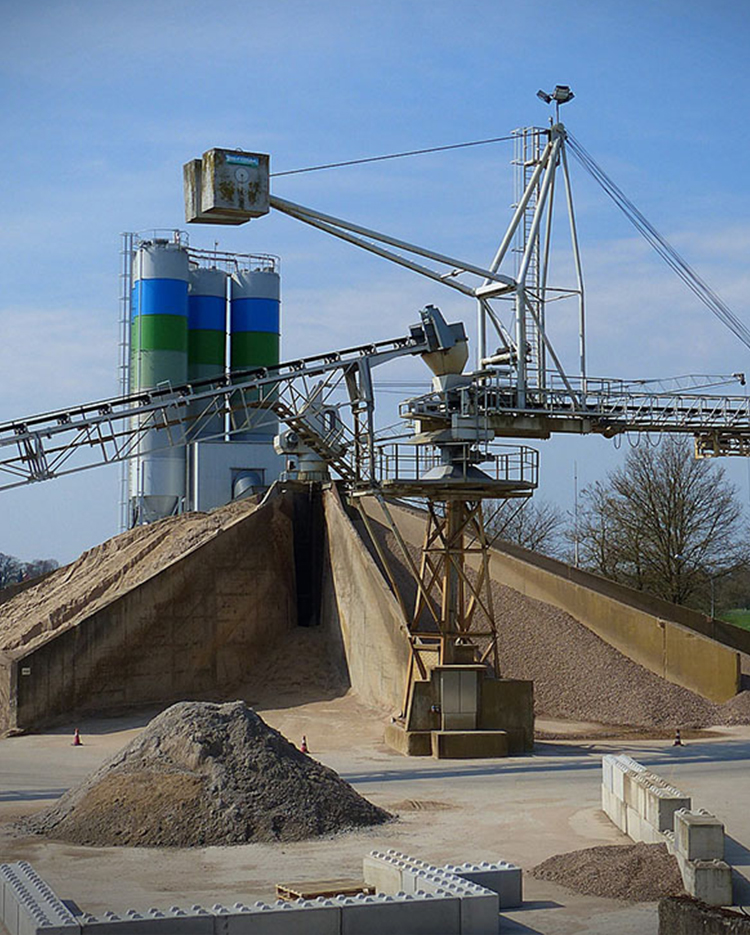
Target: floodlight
pixel 543 96
pixel 562 94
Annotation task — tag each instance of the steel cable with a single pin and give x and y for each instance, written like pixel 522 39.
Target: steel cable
pixel 661 245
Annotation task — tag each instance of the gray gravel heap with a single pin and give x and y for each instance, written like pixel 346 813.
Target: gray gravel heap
pixel 636 872
pixel 204 774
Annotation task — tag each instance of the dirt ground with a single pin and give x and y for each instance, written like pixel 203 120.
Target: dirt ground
pixel 523 809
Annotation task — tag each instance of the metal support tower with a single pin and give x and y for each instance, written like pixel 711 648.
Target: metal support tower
pixel 529 147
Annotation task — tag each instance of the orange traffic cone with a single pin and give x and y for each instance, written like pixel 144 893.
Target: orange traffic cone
pixel 303 748
pixel 77 742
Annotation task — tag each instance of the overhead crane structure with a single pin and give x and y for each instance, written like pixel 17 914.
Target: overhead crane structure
pixel 519 389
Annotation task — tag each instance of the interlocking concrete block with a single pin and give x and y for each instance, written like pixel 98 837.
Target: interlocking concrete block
pixel 301 917
pixel 707 880
pixel 618 779
pixel 424 881
pixel 420 914
pixel 661 804
pixel 632 789
pixel 669 840
pixel 607 761
pixel 174 921
pixel 479 907
pixel 29 905
pixel 617 811
pixel 502 878
pixel 630 764
pixel 698 835
pixel 384 873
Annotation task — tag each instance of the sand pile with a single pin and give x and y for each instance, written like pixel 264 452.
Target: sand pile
pixel 205 774
pixel 105 572
pixel 576 674
pixel 637 872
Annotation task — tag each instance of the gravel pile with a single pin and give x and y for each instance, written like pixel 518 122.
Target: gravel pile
pixel 206 774
pixel 576 674
pixel 637 872
pixel 579 676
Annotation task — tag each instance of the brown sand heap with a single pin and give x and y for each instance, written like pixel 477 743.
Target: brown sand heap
pixel 637 872
pixel 204 774
pixel 102 574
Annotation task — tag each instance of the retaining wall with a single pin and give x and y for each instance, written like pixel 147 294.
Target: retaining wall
pixel 681 915
pixel 197 627
pixel 446 902
pixel 370 620
pixel 648 809
pixel 676 643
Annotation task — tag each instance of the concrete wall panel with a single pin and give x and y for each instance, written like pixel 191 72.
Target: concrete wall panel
pixel 197 627
pixel 372 626
pixel 678 644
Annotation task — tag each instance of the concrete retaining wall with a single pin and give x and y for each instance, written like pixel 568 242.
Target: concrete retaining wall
pixel 648 809
pixel 678 644
pixel 680 915
pixel 447 903
pixel 660 636
pixel 197 627
pixel 370 619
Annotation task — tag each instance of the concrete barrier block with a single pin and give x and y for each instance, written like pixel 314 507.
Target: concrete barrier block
pixel 502 878
pixel 634 825
pixel 301 917
pixel 470 744
pixel 420 914
pixel 640 784
pixel 614 808
pixel 707 880
pixel 316 917
pixel 384 873
pixel 618 780
pixel 416 881
pixel 661 804
pixel 630 764
pixel 607 761
pixel 109 923
pixel 480 910
pixel 631 789
pixel 174 921
pixel 29 905
pixel 698 835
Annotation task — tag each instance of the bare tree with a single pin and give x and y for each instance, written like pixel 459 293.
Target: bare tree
pixel 664 522
pixel 533 524
pixel 13 570
pixel 10 570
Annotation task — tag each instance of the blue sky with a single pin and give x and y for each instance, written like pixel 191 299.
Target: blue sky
pixel 103 103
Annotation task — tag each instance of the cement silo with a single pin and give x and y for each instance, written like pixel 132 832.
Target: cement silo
pixel 207 337
pixel 254 333
pixel 158 355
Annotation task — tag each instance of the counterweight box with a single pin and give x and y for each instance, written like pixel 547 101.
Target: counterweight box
pixel 226 186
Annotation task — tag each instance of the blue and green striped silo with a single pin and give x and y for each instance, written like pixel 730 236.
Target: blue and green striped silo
pixel 254 332
pixel 158 354
pixel 207 337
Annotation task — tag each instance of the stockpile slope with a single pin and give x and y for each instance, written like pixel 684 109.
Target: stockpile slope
pixel 636 872
pixel 106 572
pixel 206 774
pixel 576 674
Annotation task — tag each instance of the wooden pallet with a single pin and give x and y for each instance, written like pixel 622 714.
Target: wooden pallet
pixel 314 889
